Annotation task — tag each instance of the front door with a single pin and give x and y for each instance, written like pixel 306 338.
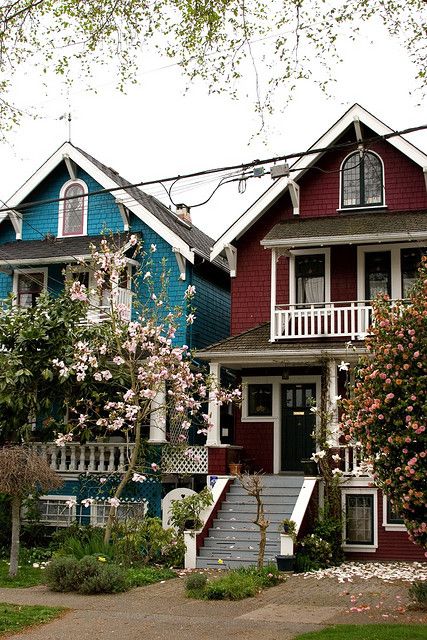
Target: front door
pixel 298 424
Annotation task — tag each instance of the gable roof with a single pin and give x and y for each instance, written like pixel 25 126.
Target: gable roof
pixel 182 236
pixel 301 166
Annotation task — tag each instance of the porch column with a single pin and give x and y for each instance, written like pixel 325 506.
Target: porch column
pixel 332 392
pixel 273 295
pixel 158 417
pixel 214 432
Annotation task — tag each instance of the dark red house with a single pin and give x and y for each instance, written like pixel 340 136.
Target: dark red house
pixel 306 259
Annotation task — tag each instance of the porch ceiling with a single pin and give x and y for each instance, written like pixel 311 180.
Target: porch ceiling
pixel 358 228
pixel 254 347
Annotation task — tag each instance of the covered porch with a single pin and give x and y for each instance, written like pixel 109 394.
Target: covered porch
pixel 282 383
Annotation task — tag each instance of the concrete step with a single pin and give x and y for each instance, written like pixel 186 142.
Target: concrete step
pixel 275 481
pixel 236 554
pixel 268 499
pixel 249 516
pixel 242 536
pixel 251 508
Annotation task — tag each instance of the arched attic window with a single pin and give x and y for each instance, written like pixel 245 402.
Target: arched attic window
pixel 72 218
pixel 362 180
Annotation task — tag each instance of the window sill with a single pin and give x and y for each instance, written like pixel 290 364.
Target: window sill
pixel 366 207
pixel 360 548
pixel 394 527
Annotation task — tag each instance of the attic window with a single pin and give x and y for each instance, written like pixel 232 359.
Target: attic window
pixel 362 180
pixel 73 209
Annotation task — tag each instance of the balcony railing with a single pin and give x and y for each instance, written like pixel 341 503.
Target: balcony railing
pixel 108 457
pixel 323 320
pixel 353 461
pixel 92 457
pixel 121 298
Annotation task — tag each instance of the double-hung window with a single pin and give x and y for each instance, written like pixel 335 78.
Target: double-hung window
pixel 28 287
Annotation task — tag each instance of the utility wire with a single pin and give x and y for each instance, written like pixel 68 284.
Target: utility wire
pixel 242 167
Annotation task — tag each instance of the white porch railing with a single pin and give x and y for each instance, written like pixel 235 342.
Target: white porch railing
pixel 354 464
pixel 327 320
pixel 193 459
pixel 93 457
pixel 121 298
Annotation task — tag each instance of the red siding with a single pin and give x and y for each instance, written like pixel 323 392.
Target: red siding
pixel 257 441
pixel 217 461
pixel 405 190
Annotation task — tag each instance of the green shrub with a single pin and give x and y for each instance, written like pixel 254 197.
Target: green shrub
pixel 189 509
pixel 196 582
pixel 61 574
pixel 233 586
pixel 89 575
pixel 317 550
pixel 80 541
pixel 329 528
pixel 96 577
pixel 266 577
pixel 146 541
pixel 418 594
pixel 303 563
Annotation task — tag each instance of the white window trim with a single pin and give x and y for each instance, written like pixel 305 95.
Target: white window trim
pixel 276 417
pixel 366 206
pixel 18 272
pixel 396 273
pixel 71 510
pixel 362 548
pixel 62 205
pixel 388 526
pixel 292 281
pixel 104 503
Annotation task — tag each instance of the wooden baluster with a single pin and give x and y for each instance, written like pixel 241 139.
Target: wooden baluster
pixel 101 462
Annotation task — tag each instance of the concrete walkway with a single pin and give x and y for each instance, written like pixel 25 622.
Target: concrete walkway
pixel 162 612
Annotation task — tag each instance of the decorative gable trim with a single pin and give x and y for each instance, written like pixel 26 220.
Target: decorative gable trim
pixel 301 166
pixel 16 220
pixel 99 176
pixel 71 167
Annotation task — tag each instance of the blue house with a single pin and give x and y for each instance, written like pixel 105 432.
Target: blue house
pixel 65 206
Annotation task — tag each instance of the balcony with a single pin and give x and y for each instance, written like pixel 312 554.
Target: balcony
pixel 99 311
pixel 328 320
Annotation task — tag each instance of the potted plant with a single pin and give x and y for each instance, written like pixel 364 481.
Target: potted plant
pixel 185 513
pixel 289 528
pixel 235 468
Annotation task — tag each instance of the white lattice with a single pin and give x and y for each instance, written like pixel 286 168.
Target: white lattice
pixel 184 459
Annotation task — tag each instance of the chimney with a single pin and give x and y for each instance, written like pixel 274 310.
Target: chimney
pixel 183 213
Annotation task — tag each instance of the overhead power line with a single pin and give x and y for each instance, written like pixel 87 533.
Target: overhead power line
pixel 204 172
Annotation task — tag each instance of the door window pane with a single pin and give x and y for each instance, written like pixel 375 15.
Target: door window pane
pixel 310 278
pixel 359 519
pixel 377 273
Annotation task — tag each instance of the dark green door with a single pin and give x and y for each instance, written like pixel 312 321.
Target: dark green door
pixel 298 423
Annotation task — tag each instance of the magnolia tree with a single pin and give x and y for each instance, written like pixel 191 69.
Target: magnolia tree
pixel 388 410
pixel 145 370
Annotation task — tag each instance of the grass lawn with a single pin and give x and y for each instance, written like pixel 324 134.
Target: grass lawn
pixel 28 576
pixel 368 632
pixel 14 617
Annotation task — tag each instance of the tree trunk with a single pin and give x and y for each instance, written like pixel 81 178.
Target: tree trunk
pixel 14 545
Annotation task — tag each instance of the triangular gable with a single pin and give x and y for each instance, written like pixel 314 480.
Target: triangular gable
pixel 67 150
pixel 301 166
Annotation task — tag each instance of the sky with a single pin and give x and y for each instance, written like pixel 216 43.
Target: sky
pixel 163 127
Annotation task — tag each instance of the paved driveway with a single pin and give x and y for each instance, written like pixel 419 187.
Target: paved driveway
pixel 162 612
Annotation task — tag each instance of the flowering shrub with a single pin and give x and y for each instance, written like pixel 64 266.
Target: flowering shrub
pixel 317 550
pixel 387 413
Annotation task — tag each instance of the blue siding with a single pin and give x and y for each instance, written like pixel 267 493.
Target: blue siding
pixel 40 220
pixel 7 234
pixel 212 304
